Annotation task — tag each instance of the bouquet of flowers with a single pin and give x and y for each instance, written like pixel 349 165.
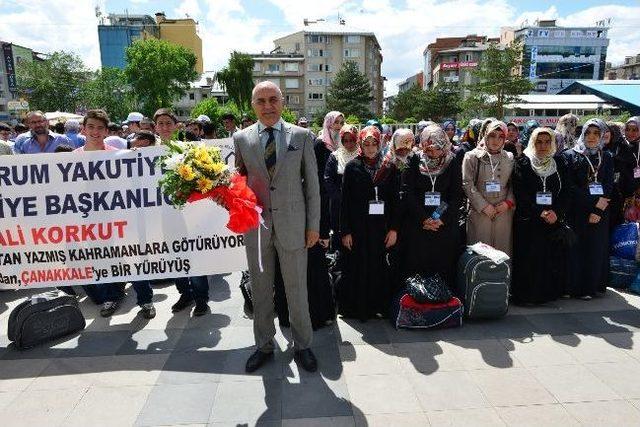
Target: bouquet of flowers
pixel 193 171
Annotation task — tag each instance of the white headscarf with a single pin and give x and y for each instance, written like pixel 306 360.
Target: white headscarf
pixel 543 166
pixel 581 146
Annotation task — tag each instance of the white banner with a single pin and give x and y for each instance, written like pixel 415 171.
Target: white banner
pixel 100 217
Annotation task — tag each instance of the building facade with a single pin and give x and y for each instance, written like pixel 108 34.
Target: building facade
pixel 116 32
pixel 204 88
pixel 288 72
pixel 11 107
pixel 553 57
pixel 629 70
pixel 415 80
pixel 324 48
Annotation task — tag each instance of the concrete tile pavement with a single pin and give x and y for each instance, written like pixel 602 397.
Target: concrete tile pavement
pixel 566 363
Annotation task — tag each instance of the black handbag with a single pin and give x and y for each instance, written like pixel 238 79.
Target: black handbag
pixel 432 289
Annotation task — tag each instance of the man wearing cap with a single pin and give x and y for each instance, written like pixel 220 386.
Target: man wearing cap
pixel 40 138
pixel 72 131
pixel 133 122
pixel 229 123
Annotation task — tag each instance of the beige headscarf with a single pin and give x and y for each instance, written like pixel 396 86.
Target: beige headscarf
pixel 543 166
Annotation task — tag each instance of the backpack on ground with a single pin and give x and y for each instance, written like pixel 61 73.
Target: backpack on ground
pixel 44 317
pixel 483 285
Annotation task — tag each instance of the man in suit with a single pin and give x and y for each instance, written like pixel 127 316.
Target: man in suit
pixel 280 165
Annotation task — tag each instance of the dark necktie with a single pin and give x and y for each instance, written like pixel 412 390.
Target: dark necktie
pixel 270 152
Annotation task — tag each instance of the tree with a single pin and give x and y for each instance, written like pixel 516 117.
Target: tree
pixel 108 90
pixel 350 92
pixel 407 101
pixel 159 72
pixel 289 116
pixel 436 104
pixel 54 84
pixel 500 81
pixel 352 119
pixel 237 79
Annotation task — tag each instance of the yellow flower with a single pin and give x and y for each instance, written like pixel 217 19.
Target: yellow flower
pixel 218 168
pixel 204 185
pixel 186 172
pixel 201 154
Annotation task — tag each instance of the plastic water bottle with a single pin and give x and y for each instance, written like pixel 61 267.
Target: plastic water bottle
pixel 440 210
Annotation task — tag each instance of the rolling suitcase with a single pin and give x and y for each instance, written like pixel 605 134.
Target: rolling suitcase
pixel 44 317
pixel 622 272
pixel 483 285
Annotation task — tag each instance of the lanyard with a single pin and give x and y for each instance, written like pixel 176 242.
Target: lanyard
pixel 544 183
pixel 376 190
pixel 433 180
pixel 637 156
pixel 493 168
pixel 595 170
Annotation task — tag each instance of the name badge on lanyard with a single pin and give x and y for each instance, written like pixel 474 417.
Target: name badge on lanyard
pixel 432 198
pixel 595 189
pixel 544 198
pixel 492 186
pixel 636 172
pixel 376 207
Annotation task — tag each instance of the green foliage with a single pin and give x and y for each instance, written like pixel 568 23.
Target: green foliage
pixel 318 117
pixel 436 104
pixel 54 84
pixel 237 79
pixel 352 119
pixel 108 90
pixel 388 120
pixel 350 92
pixel 622 117
pixel 499 83
pixel 209 107
pixel 289 116
pixel 410 120
pixel 159 72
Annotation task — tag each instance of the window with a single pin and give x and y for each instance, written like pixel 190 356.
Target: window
pixel 257 67
pixel 192 96
pixel 316 82
pixel 204 96
pixel 291 66
pixel 314 38
pixel 351 53
pixel 467 57
pixel 275 81
pixel 297 47
pixel 573 70
pixel 291 83
pixel 273 68
pixel 351 39
pixel 314 67
pixel 316 96
pixel 315 52
pixel 293 99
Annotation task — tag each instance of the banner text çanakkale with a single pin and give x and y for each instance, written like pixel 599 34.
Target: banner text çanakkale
pixel 100 217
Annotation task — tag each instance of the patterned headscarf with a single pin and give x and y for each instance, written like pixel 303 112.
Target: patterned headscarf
pixel 402 138
pixel 330 137
pixel 566 131
pixel 581 146
pixel 636 121
pixel 434 135
pixel 543 166
pixel 447 123
pixel 342 155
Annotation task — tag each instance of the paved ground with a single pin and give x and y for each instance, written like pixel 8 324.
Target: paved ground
pixel 568 363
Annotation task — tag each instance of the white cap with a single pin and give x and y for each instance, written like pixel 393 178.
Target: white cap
pixel 134 117
pixel 203 119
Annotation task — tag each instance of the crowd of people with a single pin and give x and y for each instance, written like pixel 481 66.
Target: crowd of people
pixel 398 203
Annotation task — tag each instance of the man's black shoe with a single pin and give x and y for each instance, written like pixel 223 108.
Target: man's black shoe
pixel 184 302
pixel 201 309
pixel 306 359
pixel 257 359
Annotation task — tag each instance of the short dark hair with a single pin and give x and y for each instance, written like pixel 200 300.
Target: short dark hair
pixel 209 129
pixel 114 127
pixel 228 116
pixel 63 148
pixel 165 112
pixel 147 121
pixel 146 135
pixel 511 124
pixel 97 115
pixel 20 128
pixel 58 128
pixel 194 122
pixel 5 127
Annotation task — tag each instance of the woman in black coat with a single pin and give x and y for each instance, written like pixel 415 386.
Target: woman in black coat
pixel 333 173
pixel 368 226
pixel 590 170
pixel 624 163
pixel 433 180
pixel 326 143
pixel 542 191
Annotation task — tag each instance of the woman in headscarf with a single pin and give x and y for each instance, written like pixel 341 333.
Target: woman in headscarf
pixel 368 225
pixel 527 130
pixel 486 180
pixel 326 143
pixel 512 143
pixel 590 172
pixel 624 164
pixel 542 192
pixel 566 132
pixel 431 182
pixel 632 130
pixel 400 148
pixel 333 173
pixel 449 127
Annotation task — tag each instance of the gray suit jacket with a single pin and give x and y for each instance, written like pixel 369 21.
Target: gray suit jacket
pixel 291 199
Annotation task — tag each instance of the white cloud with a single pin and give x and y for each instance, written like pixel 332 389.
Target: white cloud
pixel 189 8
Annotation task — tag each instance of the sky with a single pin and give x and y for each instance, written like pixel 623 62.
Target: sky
pixel 403 27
